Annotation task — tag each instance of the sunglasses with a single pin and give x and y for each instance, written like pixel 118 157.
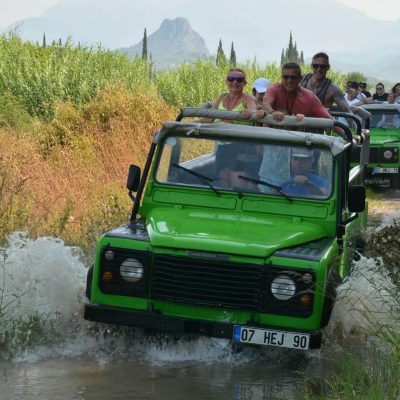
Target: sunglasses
pixel 290 77
pixel 320 66
pixel 235 78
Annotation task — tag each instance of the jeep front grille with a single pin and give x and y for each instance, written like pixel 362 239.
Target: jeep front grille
pixel 208 282
pixel 216 283
pixel 375 155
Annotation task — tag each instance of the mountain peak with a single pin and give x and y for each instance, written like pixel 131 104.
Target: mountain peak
pixel 173 43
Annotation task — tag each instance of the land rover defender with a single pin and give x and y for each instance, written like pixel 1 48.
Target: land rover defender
pixel 225 240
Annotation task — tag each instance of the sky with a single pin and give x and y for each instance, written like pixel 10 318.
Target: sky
pixel 348 30
pixel 14 10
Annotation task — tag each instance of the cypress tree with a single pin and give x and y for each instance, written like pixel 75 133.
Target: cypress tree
pixel 221 59
pixel 232 58
pixel 44 40
pixel 291 54
pixel 144 48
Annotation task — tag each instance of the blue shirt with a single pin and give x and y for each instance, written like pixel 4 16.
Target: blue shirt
pixel 306 189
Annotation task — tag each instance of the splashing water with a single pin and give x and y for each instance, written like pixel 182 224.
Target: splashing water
pixel 367 302
pixel 46 277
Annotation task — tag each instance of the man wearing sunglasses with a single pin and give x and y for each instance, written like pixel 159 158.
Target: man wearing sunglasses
pixel 289 98
pixel 363 89
pixel 327 92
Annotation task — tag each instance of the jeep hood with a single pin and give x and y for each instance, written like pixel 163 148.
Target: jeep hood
pixel 226 232
pixel 385 137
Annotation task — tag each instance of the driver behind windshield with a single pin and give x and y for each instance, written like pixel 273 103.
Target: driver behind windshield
pixel 303 181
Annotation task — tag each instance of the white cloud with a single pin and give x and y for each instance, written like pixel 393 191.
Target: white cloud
pixel 383 9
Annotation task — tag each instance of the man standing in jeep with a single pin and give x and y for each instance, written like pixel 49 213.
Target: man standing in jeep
pixel 323 87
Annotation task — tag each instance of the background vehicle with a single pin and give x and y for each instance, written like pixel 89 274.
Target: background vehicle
pixel 384 160
pixel 213 248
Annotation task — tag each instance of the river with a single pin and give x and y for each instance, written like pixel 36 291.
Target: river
pixel 79 360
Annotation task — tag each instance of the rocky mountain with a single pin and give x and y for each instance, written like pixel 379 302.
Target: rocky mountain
pixel 172 44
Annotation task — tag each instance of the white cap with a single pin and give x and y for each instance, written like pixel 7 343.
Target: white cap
pixel 301 152
pixel 261 85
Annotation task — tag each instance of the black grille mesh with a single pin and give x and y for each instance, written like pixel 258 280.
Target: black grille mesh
pixel 375 155
pixel 208 282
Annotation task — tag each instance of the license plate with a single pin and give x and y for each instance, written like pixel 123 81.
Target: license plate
pixel 384 170
pixel 269 337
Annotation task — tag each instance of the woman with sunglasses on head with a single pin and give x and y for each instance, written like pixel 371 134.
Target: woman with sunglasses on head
pixel 323 87
pixel 380 95
pixel 235 99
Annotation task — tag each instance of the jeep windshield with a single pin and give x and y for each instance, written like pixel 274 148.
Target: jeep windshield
pixel 384 117
pixel 245 166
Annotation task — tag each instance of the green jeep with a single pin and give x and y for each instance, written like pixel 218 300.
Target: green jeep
pixel 226 240
pixel 384 160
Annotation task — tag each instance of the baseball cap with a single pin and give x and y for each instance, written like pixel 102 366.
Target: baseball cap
pixel 261 85
pixel 301 152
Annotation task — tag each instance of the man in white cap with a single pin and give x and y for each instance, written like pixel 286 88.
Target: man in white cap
pixel 260 86
pixel 303 182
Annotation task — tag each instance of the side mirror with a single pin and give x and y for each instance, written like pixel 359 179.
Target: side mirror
pixel 356 198
pixel 133 181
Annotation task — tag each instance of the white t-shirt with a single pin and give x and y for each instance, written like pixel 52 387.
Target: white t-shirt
pixel 354 102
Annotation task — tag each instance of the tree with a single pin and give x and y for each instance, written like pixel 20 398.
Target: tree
pixel 232 58
pixel 44 40
pixel 144 48
pixel 291 54
pixel 356 77
pixel 221 59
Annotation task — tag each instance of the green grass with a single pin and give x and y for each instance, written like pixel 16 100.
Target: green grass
pixel 37 78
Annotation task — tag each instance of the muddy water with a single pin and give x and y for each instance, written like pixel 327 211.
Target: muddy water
pixel 78 360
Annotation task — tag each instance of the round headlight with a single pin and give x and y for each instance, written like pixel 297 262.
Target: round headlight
pixel 388 154
pixel 131 270
pixel 283 287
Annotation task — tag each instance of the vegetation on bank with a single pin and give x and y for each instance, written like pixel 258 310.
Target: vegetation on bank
pixel 66 177
pixel 38 78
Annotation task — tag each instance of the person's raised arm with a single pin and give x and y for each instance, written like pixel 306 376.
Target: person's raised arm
pixel 269 101
pixel 340 101
pixel 215 106
pixel 251 107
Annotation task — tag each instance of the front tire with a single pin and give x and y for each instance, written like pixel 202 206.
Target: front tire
pixel 89 279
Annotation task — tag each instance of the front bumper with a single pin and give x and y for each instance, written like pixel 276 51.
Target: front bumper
pixel 161 323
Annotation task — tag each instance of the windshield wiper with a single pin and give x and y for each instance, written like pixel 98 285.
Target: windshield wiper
pixel 202 178
pixel 270 185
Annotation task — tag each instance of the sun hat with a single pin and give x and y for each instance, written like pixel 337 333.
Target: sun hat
pixel 261 85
